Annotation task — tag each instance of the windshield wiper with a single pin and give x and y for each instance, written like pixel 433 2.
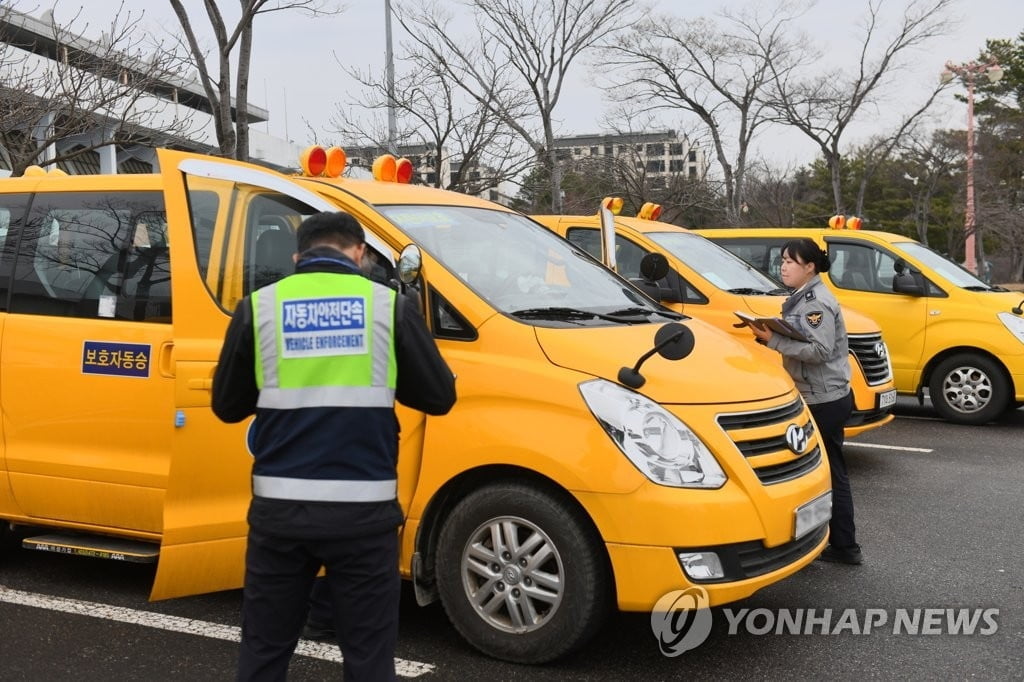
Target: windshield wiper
pixel 749 291
pixel 561 313
pixel 645 312
pixel 979 287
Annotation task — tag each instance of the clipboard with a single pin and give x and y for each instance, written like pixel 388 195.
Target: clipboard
pixel 776 324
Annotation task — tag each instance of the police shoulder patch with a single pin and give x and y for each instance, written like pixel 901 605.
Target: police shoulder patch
pixel 814 318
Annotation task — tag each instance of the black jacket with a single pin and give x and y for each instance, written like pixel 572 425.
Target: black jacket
pixel 424 382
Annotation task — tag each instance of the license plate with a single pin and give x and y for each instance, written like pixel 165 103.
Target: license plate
pixel 887 399
pixel 811 515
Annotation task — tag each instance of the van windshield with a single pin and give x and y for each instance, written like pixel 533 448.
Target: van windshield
pixel 955 274
pixel 517 266
pixel 716 264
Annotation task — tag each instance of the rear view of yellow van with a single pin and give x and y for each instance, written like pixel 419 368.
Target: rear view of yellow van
pixel 709 283
pixel 588 464
pixel 948 332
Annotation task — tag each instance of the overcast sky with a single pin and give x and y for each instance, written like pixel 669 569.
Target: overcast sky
pixel 296 77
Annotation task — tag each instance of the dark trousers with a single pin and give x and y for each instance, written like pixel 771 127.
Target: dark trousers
pixel 321 606
pixel 364 584
pixel 830 418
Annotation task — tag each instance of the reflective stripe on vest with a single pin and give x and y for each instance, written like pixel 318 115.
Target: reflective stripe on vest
pixel 312 490
pixel 321 343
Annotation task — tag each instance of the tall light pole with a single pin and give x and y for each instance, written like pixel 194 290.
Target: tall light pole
pixel 389 68
pixel 967 72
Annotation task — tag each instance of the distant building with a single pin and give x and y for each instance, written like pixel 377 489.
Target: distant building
pixel 434 168
pixel 32 39
pixel 659 154
pixel 427 163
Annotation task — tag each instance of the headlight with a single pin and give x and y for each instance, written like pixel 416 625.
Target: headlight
pixel 1014 324
pixel 661 446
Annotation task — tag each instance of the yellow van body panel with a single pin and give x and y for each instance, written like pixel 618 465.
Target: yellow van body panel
pixel 719 310
pixel 919 331
pixel 146 458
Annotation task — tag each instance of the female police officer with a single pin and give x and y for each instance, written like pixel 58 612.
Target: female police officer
pixel 821 372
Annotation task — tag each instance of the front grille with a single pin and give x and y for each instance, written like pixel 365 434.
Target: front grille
pixel 760 560
pixel 745 560
pixel 873 356
pixel 761 438
pixel 777 473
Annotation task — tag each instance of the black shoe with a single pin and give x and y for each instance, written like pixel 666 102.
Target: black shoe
pixel 318 633
pixel 843 555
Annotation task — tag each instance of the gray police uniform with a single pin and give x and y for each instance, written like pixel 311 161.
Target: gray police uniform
pixel 820 369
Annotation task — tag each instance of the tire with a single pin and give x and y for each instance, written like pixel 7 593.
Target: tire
pixel 969 389
pixel 546 596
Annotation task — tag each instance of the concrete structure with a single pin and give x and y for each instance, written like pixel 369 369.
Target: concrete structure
pixel 429 165
pixel 659 154
pixel 168 104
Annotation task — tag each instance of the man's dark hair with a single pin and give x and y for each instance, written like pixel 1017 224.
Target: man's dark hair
pixel 338 229
pixel 805 250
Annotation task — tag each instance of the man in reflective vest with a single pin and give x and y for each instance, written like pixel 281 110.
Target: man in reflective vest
pixel 320 357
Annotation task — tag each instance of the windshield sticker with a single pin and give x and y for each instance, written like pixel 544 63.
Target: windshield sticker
pixel 318 327
pixel 116 359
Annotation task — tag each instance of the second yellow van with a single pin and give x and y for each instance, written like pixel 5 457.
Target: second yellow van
pixel 707 282
pixel 949 333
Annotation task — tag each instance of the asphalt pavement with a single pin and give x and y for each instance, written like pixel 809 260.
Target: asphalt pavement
pixel 940 518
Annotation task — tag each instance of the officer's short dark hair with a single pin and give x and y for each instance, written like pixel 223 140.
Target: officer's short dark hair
pixel 806 250
pixel 337 229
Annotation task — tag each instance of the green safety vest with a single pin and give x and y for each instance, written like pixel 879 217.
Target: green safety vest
pixel 324 340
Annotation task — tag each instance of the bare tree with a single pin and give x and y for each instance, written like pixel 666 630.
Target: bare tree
pixel 627 175
pixel 714 70
pixel 431 111
pixel 771 195
pixel 233 129
pixel 879 148
pixel 522 52
pixel 930 161
pixel 822 106
pixel 64 95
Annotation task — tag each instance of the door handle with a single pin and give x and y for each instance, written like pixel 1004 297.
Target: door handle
pixel 166 361
pixel 199 384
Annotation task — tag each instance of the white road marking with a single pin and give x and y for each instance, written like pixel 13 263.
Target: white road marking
pixel 886 447
pixel 322 650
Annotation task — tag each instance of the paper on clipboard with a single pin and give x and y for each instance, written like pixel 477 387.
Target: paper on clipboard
pixel 776 324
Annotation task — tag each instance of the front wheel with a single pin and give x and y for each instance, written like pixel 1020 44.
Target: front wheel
pixel 969 389
pixel 522 576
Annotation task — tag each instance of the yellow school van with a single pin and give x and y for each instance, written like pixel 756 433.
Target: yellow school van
pixel 709 283
pixel 947 331
pixel 603 451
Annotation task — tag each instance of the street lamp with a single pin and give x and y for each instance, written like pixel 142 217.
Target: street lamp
pixel 967 72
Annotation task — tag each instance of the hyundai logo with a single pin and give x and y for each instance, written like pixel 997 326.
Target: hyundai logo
pixel 796 438
pixel 880 350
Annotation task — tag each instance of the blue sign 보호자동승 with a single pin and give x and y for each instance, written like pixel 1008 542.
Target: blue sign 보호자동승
pixel 116 359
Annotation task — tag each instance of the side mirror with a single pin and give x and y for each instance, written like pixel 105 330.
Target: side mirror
pixel 906 280
pixel 672 341
pixel 410 264
pixel 653 266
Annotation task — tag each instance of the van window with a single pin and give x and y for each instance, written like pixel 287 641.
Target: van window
pixel 245 237
pixel 96 255
pixel 855 267
pixel 12 213
pixel 627 259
